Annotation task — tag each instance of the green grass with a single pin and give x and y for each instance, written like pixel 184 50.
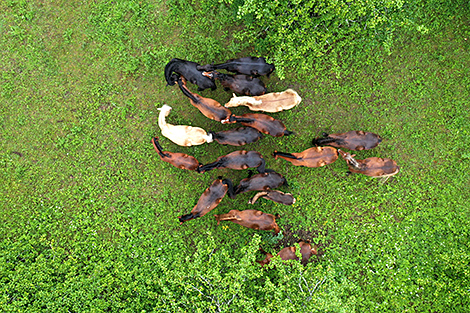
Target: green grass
pixel 89 212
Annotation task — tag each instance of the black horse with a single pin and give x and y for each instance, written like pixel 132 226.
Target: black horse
pixel 189 71
pixel 248 65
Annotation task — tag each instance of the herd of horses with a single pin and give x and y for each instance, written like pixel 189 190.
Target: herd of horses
pixel 245 82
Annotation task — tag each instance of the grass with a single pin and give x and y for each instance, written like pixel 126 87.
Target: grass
pixel 88 208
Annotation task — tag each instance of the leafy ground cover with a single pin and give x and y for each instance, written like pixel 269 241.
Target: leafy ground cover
pixel 89 212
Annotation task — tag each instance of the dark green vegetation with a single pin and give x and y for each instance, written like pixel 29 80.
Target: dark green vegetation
pixel 88 211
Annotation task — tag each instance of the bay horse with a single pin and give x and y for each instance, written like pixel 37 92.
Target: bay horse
pixel 210 199
pixel 179 160
pixel 207 106
pixel 312 157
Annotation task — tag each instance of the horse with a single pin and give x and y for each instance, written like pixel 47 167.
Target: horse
pixel 209 107
pixel 288 253
pixel 189 71
pixel 210 199
pixel 261 182
pixel 270 102
pixel 274 195
pixel 237 160
pixel 313 157
pixel 182 135
pixel 262 122
pixel 240 84
pixel 248 65
pixel 352 140
pixel 373 167
pixel 253 219
pixel 179 160
pixel 237 137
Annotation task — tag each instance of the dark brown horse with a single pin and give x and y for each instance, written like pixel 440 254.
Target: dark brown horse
pixel 352 140
pixel 210 199
pixel 237 160
pixel 240 84
pixel 237 137
pixel 261 182
pixel 274 195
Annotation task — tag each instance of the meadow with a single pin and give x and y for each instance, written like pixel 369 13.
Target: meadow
pixel 88 212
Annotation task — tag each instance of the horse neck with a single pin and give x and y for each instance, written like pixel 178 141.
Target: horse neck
pixel 161 118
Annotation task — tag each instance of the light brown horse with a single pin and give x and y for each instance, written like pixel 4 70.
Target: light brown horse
pixel 312 157
pixel 253 219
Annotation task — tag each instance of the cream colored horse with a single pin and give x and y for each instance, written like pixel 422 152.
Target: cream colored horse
pixel 182 135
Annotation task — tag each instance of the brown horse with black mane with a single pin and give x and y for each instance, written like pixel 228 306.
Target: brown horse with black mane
pixel 313 157
pixel 209 107
pixel 237 137
pixel 210 199
pixel 262 122
pixel 240 84
pixel 179 160
pixel 352 140
pixel 237 160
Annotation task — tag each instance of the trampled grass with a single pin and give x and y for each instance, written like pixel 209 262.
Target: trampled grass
pixel 89 212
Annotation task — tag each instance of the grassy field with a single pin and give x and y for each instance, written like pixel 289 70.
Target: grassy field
pixel 89 212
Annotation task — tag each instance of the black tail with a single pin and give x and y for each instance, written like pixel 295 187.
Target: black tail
pixel 209 166
pixel 231 191
pixel 288 133
pixel 284 154
pixel 322 141
pixel 186 91
pixel 169 69
pixel 187 217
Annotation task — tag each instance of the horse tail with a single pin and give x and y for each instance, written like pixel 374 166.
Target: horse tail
pixel 187 217
pixel 288 133
pixel 284 154
pixel 231 191
pixel 169 69
pixel 208 167
pixel 322 141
